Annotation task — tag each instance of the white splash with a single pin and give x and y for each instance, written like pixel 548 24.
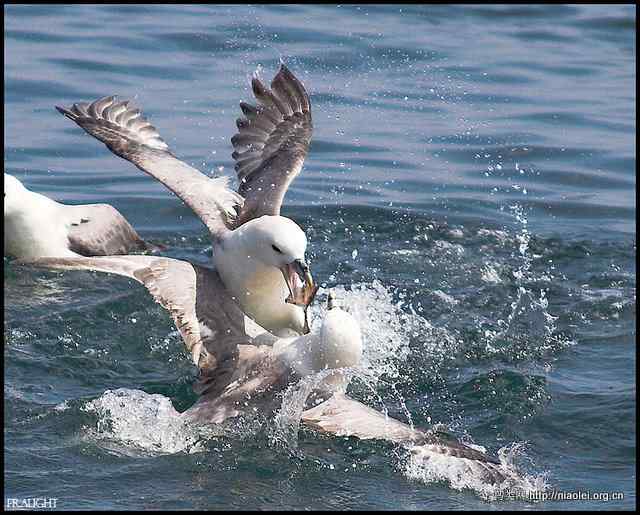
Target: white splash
pixel 490 275
pixel 386 328
pixel 446 298
pixel 428 467
pixel 287 420
pixel 133 422
pixel 388 332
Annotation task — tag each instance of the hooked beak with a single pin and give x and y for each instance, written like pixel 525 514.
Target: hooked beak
pixel 331 300
pixel 298 277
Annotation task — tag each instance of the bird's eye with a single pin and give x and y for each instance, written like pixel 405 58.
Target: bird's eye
pixel 276 249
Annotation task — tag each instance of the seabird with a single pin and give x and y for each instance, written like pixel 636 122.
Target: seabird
pixel 37 226
pixel 238 360
pixel 242 366
pixel 259 254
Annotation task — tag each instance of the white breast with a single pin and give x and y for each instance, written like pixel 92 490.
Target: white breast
pixel 37 229
pixel 338 344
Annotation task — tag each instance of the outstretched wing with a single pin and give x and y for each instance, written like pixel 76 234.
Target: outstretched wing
pixel 210 322
pixel 100 230
pixel 271 144
pixel 129 135
pixel 341 416
pixel 232 369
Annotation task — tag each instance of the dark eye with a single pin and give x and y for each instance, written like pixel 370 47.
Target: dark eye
pixel 276 249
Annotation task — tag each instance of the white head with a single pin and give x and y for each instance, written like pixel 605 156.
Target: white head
pixel 339 346
pixel 14 195
pixel 340 339
pixel 277 241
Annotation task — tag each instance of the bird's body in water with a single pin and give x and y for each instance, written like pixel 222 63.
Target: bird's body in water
pixel 37 226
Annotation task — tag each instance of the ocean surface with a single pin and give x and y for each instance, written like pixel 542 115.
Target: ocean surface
pixel 469 192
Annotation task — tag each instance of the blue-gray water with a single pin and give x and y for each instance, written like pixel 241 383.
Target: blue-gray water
pixel 472 173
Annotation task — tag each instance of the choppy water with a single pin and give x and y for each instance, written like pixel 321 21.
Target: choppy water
pixel 470 189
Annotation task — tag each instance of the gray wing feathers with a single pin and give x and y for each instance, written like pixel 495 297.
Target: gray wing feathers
pixel 232 370
pixel 271 144
pixel 129 135
pixel 210 322
pixel 100 230
pixel 115 124
pixel 238 384
pixel 342 416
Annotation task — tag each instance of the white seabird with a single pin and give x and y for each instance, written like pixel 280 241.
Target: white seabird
pixel 241 366
pixel 259 254
pixel 37 226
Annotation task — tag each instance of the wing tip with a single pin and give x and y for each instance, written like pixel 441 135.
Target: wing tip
pixel 284 70
pixel 290 86
pixel 259 89
pixel 73 112
pixel 123 121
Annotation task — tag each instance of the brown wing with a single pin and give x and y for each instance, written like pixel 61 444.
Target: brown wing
pixel 129 135
pixel 100 230
pixel 232 370
pixel 210 322
pixel 271 144
pixel 254 378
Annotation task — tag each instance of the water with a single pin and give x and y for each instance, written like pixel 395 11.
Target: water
pixel 470 191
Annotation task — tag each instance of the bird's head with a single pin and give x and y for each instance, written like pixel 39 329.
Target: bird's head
pixel 279 242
